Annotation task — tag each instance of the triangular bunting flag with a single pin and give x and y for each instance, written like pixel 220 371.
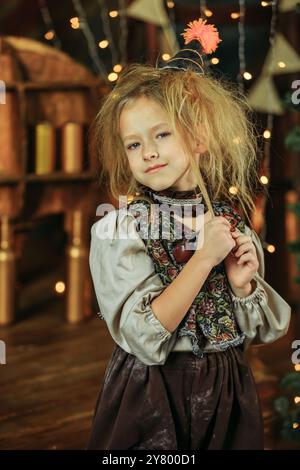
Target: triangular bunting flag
pixel 168 41
pixel 263 96
pixel 282 58
pixel 288 5
pixel 150 12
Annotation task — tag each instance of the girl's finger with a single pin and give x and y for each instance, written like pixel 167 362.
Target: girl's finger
pixel 243 240
pixel 247 257
pixel 242 237
pixel 245 247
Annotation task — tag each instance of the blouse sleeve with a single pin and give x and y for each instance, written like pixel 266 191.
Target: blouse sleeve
pixel 263 316
pixel 125 284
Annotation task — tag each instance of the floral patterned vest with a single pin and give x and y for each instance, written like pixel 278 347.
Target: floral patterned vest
pixel 210 317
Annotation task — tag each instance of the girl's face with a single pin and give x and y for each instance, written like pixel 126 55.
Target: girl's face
pixel 149 141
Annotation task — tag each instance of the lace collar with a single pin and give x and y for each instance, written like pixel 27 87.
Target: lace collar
pixel 190 197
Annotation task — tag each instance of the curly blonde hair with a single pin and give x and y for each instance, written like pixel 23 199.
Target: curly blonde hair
pixel 197 106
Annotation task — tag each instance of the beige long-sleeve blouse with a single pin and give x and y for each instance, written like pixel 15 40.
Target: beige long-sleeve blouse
pixel 125 284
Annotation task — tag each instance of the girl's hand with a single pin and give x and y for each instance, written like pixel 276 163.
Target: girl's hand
pixel 215 241
pixel 241 264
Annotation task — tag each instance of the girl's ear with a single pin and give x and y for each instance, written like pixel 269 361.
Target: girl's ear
pixel 200 146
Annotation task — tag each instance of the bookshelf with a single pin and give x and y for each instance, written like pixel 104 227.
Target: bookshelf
pixel 45 85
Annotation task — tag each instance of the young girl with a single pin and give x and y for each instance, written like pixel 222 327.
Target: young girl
pixel 181 314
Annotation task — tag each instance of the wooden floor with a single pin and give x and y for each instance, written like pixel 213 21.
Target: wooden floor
pixel 50 382
pixel 53 374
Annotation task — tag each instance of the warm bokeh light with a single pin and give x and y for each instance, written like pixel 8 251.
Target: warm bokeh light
pixel 281 65
pixel 267 134
pixel 166 57
pixel 103 44
pixel 297 400
pixel 112 77
pixel 49 35
pixel 235 15
pixel 60 287
pixel 295 425
pixel 247 76
pixel 233 190
pixel 170 4
pixel 271 248
pixel 208 12
pixel 118 68
pixel 113 13
pixel 215 60
pixel 264 179
pixel 297 367
pixel 75 24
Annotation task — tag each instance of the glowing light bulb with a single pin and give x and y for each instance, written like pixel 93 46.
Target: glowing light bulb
pixel 281 65
pixel 60 287
pixel 49 35
pixel 297 367
pixel 233 190
pixel 113 13
pixel 170 4
pixel 271 248
pixel 295 425
pixel 247 76
pixel 215 60
pixel 208 12
pixel 267 134
pixel 264 179
pixel 112 77
pixel 118 68
pixel 297 400
pixel 75 23
pixel 265 4
pixel 166 57
pixel 235 15
pixel 103 44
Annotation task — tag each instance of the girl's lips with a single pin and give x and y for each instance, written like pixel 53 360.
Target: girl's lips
pixel 156 169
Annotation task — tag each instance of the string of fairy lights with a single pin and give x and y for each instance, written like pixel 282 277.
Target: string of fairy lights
pixel 270 118
pixel 82 21
pixel 124 33
pixel 109 40
pixel 119 54
pixel 242 54
pixel 50 34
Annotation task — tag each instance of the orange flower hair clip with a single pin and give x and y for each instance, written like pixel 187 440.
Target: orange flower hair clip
pixel 206 34
pixel 198 31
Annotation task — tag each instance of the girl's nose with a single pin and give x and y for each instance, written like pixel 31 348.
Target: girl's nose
pixel 150 154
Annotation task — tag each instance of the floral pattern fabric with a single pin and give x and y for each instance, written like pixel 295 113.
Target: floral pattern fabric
pixel 211 315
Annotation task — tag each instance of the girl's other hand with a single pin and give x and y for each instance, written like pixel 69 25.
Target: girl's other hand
pixel 241 264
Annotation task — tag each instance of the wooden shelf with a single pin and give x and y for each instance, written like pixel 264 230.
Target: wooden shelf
pixel 59 176
pixel 9 179
pixel 53 86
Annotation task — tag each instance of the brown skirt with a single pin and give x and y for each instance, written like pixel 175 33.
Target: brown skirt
pixel 188 403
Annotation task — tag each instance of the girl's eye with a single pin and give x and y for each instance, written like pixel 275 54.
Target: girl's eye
pixel 131 146
pixel 135 144
pixel 164 134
